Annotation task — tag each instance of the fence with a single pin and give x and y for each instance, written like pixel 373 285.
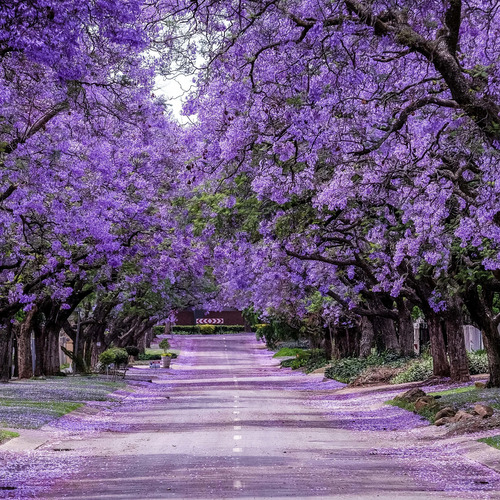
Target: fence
pixel 472 335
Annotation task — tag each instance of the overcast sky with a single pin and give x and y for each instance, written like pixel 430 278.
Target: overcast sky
pixel 174 91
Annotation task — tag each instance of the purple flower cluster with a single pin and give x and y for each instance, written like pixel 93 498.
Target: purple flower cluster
pixel 340 164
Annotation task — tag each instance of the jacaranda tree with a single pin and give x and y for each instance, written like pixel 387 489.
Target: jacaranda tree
pixel 381 119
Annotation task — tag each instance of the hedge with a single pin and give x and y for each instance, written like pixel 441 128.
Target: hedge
pixel 158 330
pixel 148 357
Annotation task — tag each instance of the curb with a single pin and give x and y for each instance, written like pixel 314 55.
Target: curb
pixel 483 454
pixel 28 440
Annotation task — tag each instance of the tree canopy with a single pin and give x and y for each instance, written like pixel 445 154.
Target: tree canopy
pixel 342 158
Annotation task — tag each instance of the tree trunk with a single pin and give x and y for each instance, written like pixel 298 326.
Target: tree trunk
pixel 39 344
pixel 147 340
pixel 52 362
pixel 441 367
pixel 367 336
pixel 47 328
pixel 492 344
pixel 24 355
pixel 334 333
pixel 405 328
pixel 5 351
pixel 385 331
pixel 459 365
pixel 328 342
pixel 480 306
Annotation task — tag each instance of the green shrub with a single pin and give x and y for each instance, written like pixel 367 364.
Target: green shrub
pixel 346 370
pixel 301 359
pixel 420 369
pixel 207 329
pixel 317 359
pixel 165 345
pixel 263 330
pixel 121 356
pixel 287 363
pixel 107 357
pixel 132 350
pixel 310 360
pixel 275 332
pixel 114 355
pixel 478 362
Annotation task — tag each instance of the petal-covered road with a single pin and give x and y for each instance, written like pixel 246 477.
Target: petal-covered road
pixel 226 422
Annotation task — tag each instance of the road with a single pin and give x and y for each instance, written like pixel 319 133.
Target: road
pixel 226 422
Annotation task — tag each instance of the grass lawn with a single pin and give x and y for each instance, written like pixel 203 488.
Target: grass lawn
pixel 151 350
pixel 5 435
pixel 30 404
pixel 492 441
pixel 288 351
pixel 464 398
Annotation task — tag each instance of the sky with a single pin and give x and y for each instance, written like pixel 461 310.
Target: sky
pixel 174 90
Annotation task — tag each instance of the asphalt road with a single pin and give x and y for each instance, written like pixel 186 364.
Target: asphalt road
pixel 225 422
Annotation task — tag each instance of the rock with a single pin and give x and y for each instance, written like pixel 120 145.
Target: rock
pixel 445 413
pixel 424 402
pixel 444 421
pixel 484 411
pixel 480 385
pixel 462 415
pixel 412 395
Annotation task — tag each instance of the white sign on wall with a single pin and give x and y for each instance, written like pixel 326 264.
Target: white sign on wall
pixel 210 321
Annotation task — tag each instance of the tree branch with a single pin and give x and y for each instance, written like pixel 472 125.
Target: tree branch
pixel 452 21
pixel 320 258
pixel 403 118
pixel 37 126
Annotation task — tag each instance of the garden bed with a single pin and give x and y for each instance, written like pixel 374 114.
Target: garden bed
pixel 460 399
